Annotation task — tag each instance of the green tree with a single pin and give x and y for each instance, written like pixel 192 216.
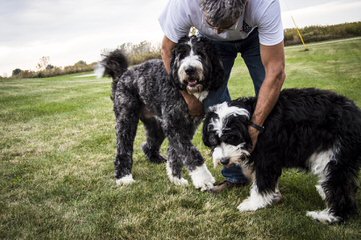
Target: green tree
pixel 16 72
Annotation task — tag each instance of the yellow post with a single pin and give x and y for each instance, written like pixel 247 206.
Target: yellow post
pixel 299 34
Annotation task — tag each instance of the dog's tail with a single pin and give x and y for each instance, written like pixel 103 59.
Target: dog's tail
pixel 114 65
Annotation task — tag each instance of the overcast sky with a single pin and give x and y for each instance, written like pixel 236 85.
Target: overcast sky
pixel 71 30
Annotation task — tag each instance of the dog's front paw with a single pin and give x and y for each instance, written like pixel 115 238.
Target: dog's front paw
pixel 173 178
pixel 179 181
pixel 255 202
pixel 126 180
pixel 248 206
pixel 202 178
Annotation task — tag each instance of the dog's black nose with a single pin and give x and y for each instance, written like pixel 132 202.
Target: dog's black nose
pixel 225 161
pixel 190 70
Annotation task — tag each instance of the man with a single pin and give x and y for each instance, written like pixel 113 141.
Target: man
pixel 252 28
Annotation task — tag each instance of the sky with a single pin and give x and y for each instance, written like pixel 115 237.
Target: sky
pixel 71 30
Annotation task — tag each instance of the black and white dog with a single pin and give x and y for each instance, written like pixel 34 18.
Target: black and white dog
pixel 147 93
pixel 311 129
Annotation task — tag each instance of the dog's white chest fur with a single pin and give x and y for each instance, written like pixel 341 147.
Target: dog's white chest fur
pixel 201 96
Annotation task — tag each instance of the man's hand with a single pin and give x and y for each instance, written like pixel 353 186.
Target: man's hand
pixel 195 107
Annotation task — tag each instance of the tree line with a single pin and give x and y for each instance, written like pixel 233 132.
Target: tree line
pixel 323 33
pixel 145 50
pixel 45 69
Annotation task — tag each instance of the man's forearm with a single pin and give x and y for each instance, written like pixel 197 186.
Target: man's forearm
pixel 167 46
pixel 268 97
pixel 166 57
pixel 274 62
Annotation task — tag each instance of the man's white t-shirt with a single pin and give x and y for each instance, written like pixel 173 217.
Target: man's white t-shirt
pixel 179 16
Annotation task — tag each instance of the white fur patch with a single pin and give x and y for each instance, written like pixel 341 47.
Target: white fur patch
pixel 126 180
pixel 256 200
pixel 194 61
pixel 318 166
pixel 202 178
pixel 217 155
pixel 173 179
pixel 201 96
pixel 318 162
pixel 320 191
pixel 323 216
pixel 228 151
pixel 224 111
pixel 99 70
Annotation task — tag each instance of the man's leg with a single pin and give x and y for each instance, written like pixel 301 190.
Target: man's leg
pixel 227 52
pixel 251 55
pixel 250 51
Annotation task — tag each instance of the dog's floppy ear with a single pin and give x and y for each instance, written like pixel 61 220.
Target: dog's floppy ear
pixel 173 75
pixel 208 140
pixel 174 63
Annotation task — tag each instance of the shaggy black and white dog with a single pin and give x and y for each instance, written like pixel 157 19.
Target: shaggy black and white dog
pixel 311 129
pixel 145 92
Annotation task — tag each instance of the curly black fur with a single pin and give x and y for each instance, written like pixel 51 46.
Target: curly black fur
pixel 147 93
pixel 310 129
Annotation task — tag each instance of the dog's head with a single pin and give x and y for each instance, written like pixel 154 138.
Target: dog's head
pixel 225 130
pixel 195 65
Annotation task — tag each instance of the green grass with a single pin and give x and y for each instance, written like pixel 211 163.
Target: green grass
pixel 57 144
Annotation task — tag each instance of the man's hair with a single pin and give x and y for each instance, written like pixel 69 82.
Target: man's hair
pixel 222 13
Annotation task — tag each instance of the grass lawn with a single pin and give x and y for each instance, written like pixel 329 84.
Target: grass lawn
pixel 57 143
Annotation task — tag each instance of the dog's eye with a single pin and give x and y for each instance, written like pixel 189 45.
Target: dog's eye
pixel 213 140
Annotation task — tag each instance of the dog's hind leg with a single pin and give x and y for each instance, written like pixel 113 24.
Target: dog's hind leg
pixel 340 195
pixel 155 138
pixel 127 117
pixel 338 186
pixel 321 191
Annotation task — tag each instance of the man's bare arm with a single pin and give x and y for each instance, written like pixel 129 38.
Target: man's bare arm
pixel 274 62
pixel 167 46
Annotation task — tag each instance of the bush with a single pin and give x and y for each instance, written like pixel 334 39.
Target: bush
pixel 51 71
pixel 138 53
pixel 49 67
pixel 323 33
pixel 16 72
